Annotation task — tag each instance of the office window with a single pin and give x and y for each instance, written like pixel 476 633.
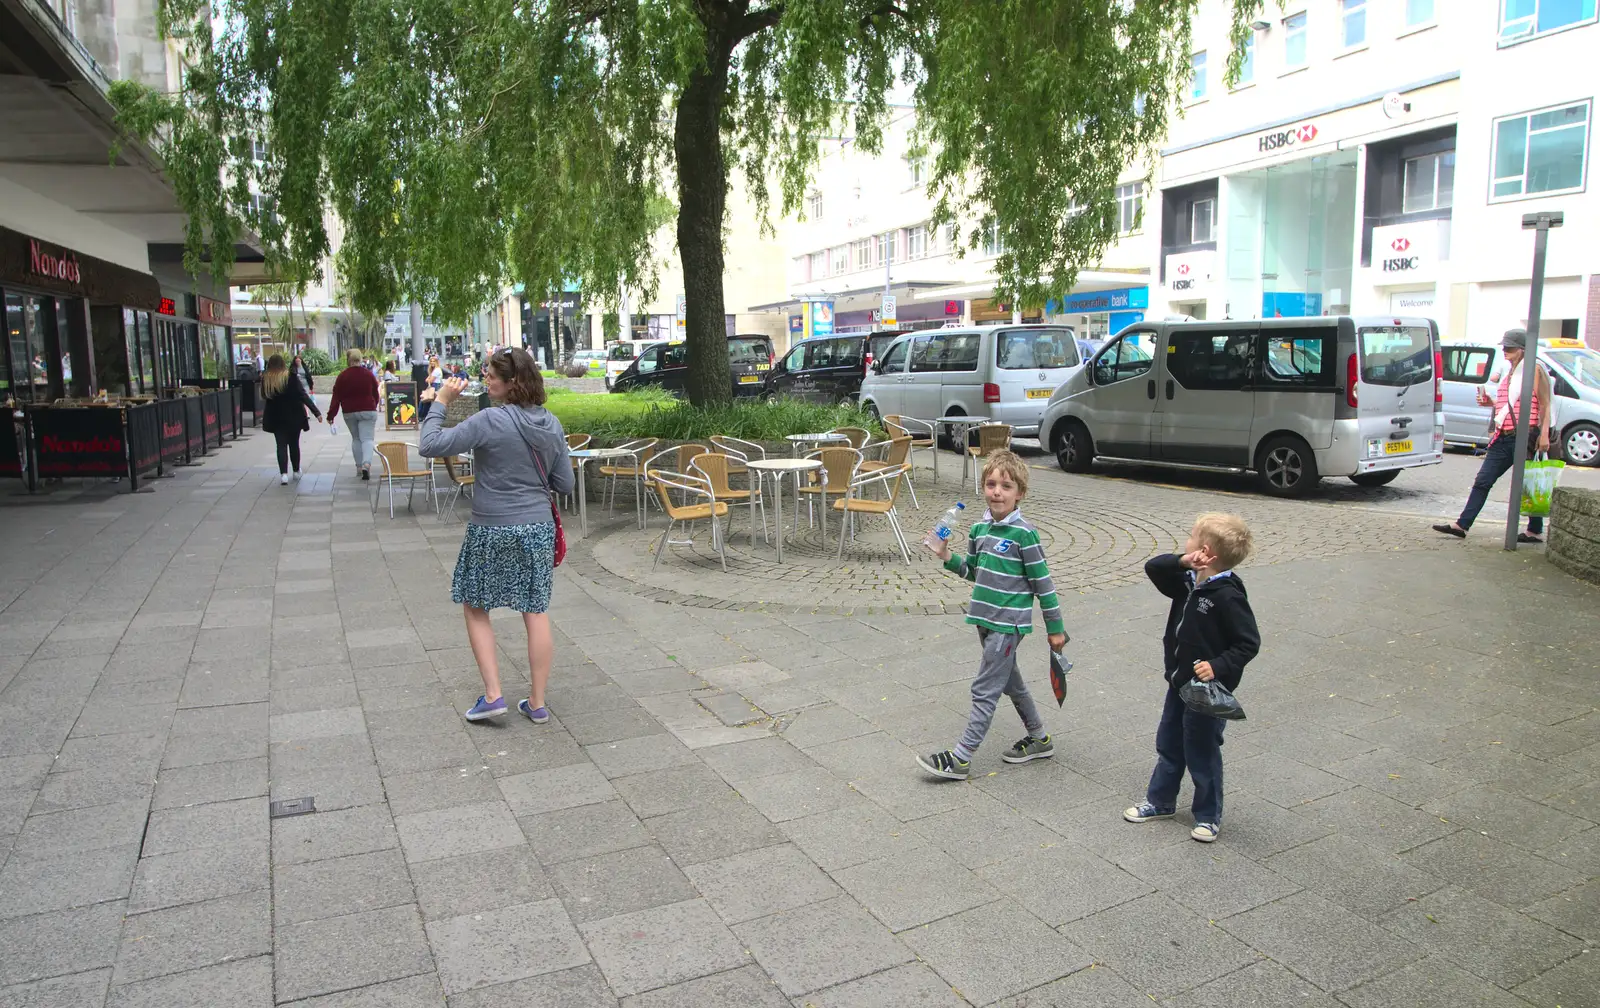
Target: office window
pixel 887 248
pixel 1429 182
pixel 841 260
pixel 1353 22
pixel 993 244
pixel 916 242
pixel 914 170
pixel 1419 12
pixel 1202 221
pixel 862 251
pixel 1294 40
pixel 1540 152
pixel 1130 204
pixel 819 265
pixel 814 206
pixel 1247 70
pixel 1197 88
pixel 1521 19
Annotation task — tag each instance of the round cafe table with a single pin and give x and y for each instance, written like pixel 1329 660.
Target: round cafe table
pixel 583 456
pixel 797 442
pixel 959 426
pixel 778 469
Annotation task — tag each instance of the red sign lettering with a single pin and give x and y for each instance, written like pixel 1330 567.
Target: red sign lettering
pixel 50 442
pixel 62 267
pixel 172 430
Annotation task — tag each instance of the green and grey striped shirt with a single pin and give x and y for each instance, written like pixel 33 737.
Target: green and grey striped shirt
pixel 1006 566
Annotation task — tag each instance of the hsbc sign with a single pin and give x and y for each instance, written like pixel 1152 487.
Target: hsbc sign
pixel 1189 273
pixel 1400 262
pixel 1294 136
pixel 1404 254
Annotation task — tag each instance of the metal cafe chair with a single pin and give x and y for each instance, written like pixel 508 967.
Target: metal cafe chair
pixel 992 437
pixel 832 480
pixel 854 502
pixel 628 469
pixel 457 473
pixel 689 488
pixel 921 432
pixel 396 459
pixel 716 467
pixel 897 453
pixel 678 459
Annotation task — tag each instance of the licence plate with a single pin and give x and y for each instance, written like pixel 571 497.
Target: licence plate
pixel 1397 447
pixel 1040 393
pixel 748 379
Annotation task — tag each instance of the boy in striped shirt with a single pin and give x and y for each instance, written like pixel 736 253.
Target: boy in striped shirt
pixel 1006 565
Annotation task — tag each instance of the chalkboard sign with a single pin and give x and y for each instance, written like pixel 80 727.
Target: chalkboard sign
pixel 83 441
pixel 401 408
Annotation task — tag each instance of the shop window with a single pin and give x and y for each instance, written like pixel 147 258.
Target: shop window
pixel 1294 40
pixel 1130 207
pixel 916 242
pixel 1540 152
pixel 814 206
pixel 1305 361
pixel 1353 22
pixel 1210 360
pixel 1419 13
pixel 1429 182
pixel 1202 221
pixel 1121 360
pixel 1197 87
pixel 1524 19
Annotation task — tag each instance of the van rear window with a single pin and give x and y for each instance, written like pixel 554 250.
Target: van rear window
pixel 749 351
pixel 1396 355
pixel 1035 349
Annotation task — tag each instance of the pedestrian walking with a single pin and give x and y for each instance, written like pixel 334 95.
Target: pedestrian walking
pixel 507 559
pixel 284 415
pixel 303 373
pixel 356 392
pixel 1502 452
pixel 1211 634
pixel 1006 566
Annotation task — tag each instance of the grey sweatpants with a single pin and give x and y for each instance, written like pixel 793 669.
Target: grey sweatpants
pixel 997 674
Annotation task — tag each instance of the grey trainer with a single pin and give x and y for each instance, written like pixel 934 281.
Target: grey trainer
pixel 1029 748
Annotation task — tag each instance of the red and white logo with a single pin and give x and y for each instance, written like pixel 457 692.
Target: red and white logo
pixel 1400 244
pixel 1183 270
pixel 1306 133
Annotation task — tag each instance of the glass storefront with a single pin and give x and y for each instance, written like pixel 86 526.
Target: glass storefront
pixel 214 351
pixel 35 368
pixel 1290 238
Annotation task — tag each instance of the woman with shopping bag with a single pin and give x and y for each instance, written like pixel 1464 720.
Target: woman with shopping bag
pixel 1502 452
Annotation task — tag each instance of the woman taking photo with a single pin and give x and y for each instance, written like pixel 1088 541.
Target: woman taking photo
pixel 303 373
pixel 519 461
pixel 356 392
pixel 284 415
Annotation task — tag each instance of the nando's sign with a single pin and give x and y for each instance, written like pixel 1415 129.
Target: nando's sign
pixel 27 261
pixel 61 266
pixel 1294 136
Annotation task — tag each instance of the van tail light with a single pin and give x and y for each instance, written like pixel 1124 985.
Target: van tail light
pixel 867 369
pixel 772 358
pixel 1438 377
pixel 1352 374
pixel 991 392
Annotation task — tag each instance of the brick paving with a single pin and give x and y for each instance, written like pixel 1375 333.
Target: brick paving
pixel 725 810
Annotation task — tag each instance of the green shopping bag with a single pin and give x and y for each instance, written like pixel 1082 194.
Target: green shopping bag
pixel 1539 478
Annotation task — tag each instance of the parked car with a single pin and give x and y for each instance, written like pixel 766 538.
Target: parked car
pixel 1007 373
pixel 666 365
pixel 589 358
pixel 1290 400
pixel 1574 372
pixel 828 368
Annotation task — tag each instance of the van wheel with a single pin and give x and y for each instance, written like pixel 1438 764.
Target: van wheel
pixel 1075 448
pixel 1286 467
pixel 1580 445
pixel 947 439
pixel 871 409
pixel 1375 479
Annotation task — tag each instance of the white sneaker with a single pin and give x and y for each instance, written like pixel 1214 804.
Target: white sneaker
pixel 297 475
pixel 283 479
pixel 1205 832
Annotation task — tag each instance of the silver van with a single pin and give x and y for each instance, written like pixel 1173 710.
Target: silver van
pixel 1291 400
pixel 1006 373
pixel 1575 383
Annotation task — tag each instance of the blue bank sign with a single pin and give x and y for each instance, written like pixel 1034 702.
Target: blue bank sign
pixel 1121 299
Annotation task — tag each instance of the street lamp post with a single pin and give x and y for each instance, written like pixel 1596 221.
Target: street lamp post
pixel 1540 224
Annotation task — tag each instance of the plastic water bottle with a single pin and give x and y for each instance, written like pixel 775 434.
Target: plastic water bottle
pixel 947 524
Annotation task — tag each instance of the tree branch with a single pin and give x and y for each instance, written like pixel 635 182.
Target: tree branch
pixel 757 21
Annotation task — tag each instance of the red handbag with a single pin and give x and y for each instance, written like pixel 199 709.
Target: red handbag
pixel 555 512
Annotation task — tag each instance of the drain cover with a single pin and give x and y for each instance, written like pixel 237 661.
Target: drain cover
pixel 291 807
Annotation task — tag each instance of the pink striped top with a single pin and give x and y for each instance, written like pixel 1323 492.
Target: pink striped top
pixel 1504 407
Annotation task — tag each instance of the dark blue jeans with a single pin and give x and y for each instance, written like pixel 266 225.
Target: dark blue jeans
pixel 1188 740
pixel 1502 453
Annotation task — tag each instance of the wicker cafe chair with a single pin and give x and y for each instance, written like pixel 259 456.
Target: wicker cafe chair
pixel 740 450
pixel 396 459
pixel 857 436
pixel 897 453
pixel 689 488
pixel 457 472
pixel 675 459
pixel 832 480
pixel 575 442
pixel 991 438
pixel 628 470
pixel 921 432
pixel 856 502
pixel 716 468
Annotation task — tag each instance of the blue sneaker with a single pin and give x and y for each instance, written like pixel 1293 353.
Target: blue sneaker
pixel 485 709
pixel 536 715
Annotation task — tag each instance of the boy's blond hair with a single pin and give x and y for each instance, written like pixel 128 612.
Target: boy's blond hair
pixel 1227 536
pixel 1010 464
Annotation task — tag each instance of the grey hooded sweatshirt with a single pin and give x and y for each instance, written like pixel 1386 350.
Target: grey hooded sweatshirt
pixel 508 488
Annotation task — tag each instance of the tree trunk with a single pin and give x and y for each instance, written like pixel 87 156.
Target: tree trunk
pixel 702 196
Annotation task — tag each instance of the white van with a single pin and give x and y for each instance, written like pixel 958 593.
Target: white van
pixel 1006 373
pixel 1291 400
pixel 622 353
pixel 1574 372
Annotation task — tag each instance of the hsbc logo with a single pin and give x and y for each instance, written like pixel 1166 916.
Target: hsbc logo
pixel 1400 264
pixel 1400 244
pixel 1183 270
pixel 1303 134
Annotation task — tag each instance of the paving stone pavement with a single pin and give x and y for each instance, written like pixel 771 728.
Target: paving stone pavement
pixel 724 810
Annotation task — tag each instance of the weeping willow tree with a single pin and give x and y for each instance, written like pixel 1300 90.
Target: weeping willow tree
pixel 465 143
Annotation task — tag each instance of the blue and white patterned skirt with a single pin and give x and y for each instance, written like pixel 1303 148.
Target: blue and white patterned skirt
pixel 506 567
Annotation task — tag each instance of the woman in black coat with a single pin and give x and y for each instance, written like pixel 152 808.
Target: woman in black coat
pixel 284 414
pixel 298 368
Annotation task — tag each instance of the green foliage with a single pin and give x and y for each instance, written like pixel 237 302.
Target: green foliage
pixel 319 362
pixel 467 143
pixel 652 413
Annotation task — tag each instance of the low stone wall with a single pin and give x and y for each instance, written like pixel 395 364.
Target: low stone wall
pixel 1575 532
